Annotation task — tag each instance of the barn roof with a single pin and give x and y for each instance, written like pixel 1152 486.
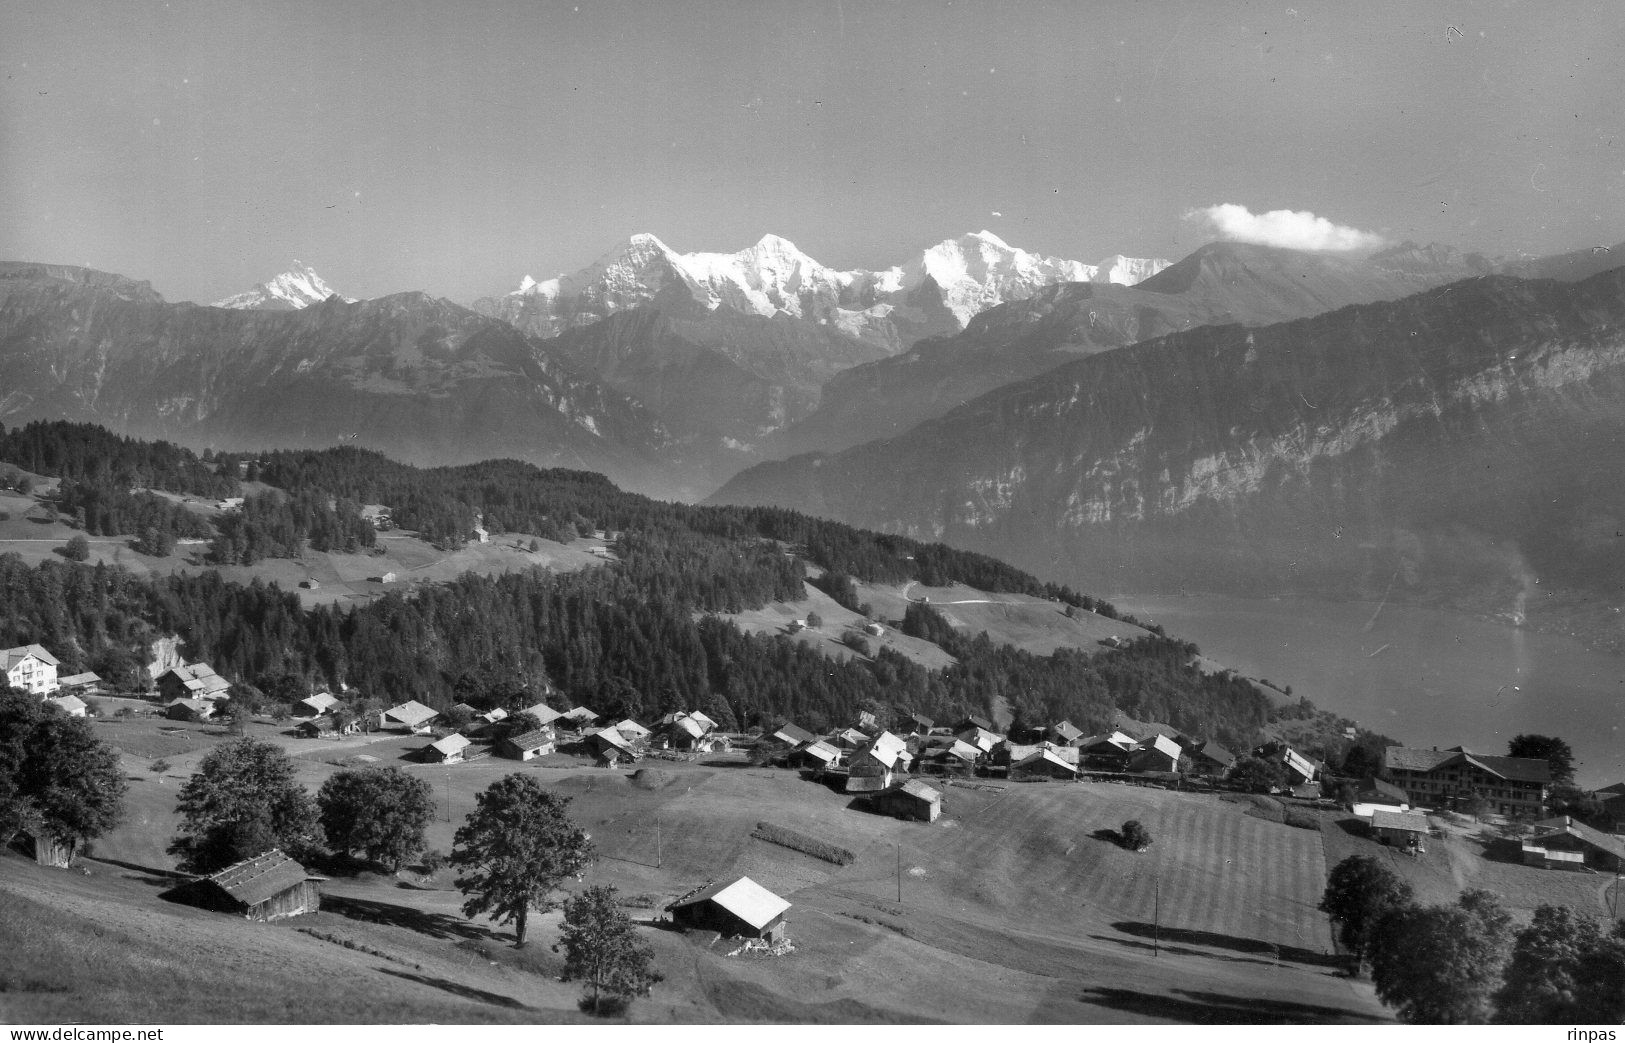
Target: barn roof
pixel 703 721
pixel 451 744
pixel 69 704
pixel 629 727
pixel 612 738
pixel 493 716
pixel 744 898
pixel 922 721
pixel 533 740
pixel 201 707
pixel 321 702
pixel 1117 741
pixel 1066 731
pixel 1562 824
pixel 794 733
pixel 918 789
pixel 543 713
pixel 411 713
pixel 1410 821
pixel 254 880
pixel 10 657
pixel 822 750
pixel 75 680
pixel 1412 758
pixel 1162 744
pixel 1216 753
pixel 1044 756
pixel 1375 787
pixel 580 714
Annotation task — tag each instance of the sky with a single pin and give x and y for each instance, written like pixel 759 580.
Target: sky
pixel 454 148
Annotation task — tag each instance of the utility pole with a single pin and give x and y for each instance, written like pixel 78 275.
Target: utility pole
pixel 448 794
pixel 659 860
pixel 899 874
pixel 1156 912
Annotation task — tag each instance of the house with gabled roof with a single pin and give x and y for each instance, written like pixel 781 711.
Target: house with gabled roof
pixel 411 715
pixel 269 886
pixel 919 723
pixel 609 747
pixel 318 704
pixel 739 908
pixel 192 681
pixel 632 731
pixel 817 755
pixel 1043 762
pixel 1374 794
pixel 1405 829
pixel 980 738
pixel 1107 752
pixel 790 735
pixel 30 668
pixel 543 713
pixel 1612 799
pixel 1564 842
pixel 1065 733
pixel 449 750
pixel 579 717
pixel 873 765
pixel 1209 758
pixel 847 739
pixel 912 799
pixel 189 709
pixel 973 721
pixel 1444 778
pixel 1156 752
pixel 71 705
pixel 528 746
pixel 85 682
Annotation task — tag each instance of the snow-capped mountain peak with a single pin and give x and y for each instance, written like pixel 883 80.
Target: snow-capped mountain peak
pixel 298 287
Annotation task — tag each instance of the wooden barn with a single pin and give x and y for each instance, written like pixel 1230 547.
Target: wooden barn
pixel 1043 763
pixel 1562 842
pixel 1404 829
pixel 609 748
pixel 739 909
pixel 449 750
pixel 189 710
pixel 912 800
pixel 789 736
pixel 538 743
pixel 1209 758
pixel 1108 752
pixel 271 886
pixel 52 851
pixel 874 765
pixel 817 755
pixel 318 704
pixel 1155 753
pixel 1065 734
pixel 411 715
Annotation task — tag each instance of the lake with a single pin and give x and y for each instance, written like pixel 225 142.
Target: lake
pixel 1422 676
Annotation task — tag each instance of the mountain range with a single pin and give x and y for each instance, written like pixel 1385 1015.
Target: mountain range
pixel 1455 446
pixel 296 288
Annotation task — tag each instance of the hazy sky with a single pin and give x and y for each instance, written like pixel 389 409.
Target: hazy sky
pixel 453 147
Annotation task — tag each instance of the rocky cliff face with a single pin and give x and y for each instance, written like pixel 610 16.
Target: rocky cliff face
pixel 423 379
pixel 1218 283
pixel 1453 445
pixel 298 287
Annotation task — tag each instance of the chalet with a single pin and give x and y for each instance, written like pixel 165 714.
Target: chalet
pixel 532 744
pixel 71 705
pixel 322 727
pixel 685 733
pixel 847 739
pixel 609 748
pixel 580 717
pixel 1065 733
pixel 912 800
pixel 1155 753
pixel 1108 752
pixel 1562 842
pixel 1373 795
pixel 449 750
pixel 868 723
pixel 543 713
pixel 817 755
pixel 945 753
pixel 790 736
pixel 270 886
pixel 85 682
pixel 1043 763
pixel 318 704
pixel 1405 829
pixel 980 738
pixel 739 909
pixel 388 577
pixel 974 722
pixel 1008 753
pixel 1444 778
pixel 632 731
pixel 30 668
pixel 189 709
pixel 703 721
pixel 919 724
pixel 873 765
pixel 463 710
pixel 412 716
pixel 192 681
pixel 1122 722
pixel 1209 758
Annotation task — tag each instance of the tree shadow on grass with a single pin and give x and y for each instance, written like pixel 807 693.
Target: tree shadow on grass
pixel 1215 1008
pixel 465 991
pixel 435 925
pixel 1252 946
pixel 1109 836
pixel 1179 950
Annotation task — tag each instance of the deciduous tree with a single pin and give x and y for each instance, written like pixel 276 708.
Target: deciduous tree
pixel 601 948
pixel 1563 969
pixel 382 812
pixel 1440 965
pixel 244 800
pixel 56 777
pixel 1359 890
pixel 515 849
pixel 1549 748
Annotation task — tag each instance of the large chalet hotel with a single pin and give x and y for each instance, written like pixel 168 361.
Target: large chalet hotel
pixel 1442 778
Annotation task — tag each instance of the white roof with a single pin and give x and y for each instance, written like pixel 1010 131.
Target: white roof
pixel 452 743
pixel 10 657
pixel 705 722
pixel 629 726
pixel 1044 755
pixel 1162 744
pixel 322 701
pixel 543 713
pixel 822 750
pixel 745 898
pixel 1412 821
pixel 411 713
pixel 70 704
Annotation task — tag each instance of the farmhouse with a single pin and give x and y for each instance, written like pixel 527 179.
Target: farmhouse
pixel 1043 763
pixel 192 681
pixel 609 747
pixel 538 743
pixel 543 713
pixel 685 733
pixel 873 764
pixel 944 753
pixel 974 722
pixel 790 736
pixel 848 739
pixel 1007 753
pixel 919 724
pixel 71 705
pixel 411 715
pixel 86 682
pixel 446 751
pixel 1107 752
pixel 742 908
pixel 1209 758
pixel 1065 734
pixel 319 727
pixel 30 668
pixel 1399 828
pixel 912 800
pixel 1155 753
pixel 980 738
pixel 318 704
pixel 817 755
pixel 189 710
pixel 1300 770
pixel 631 731
pixel 1564 843
pixel 1443 778
pixel 580 717
pixel 270 886
pixel 491 717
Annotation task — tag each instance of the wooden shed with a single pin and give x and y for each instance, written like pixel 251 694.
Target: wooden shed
pixel 270 886
pixel 817 755
pixel 532 744
pixel 1399 828
pixel 912 800
pixel 449 750
pixel 741 908
pixel 52 851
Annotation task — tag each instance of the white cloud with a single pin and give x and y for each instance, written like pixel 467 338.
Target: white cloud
pixel 1295 229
